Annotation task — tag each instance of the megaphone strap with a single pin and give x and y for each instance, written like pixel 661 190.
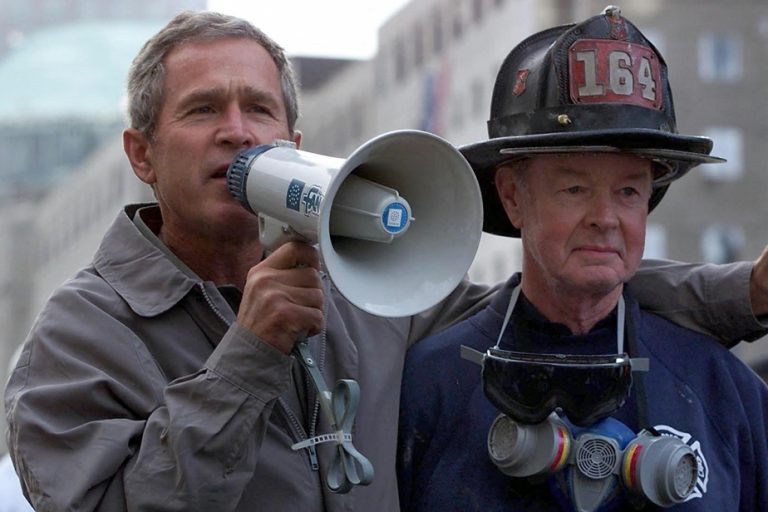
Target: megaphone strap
pixel 338 436
pixel 348 466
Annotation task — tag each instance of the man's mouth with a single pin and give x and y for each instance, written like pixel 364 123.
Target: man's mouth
pixel 597 249
pixel 221 172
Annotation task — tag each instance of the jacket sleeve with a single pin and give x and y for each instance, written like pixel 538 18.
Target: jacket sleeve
pixel 710 299
pixel 94 424
pixel 467 299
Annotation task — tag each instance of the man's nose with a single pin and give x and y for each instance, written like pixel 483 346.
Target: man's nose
pixel 602 211
pixel 234 129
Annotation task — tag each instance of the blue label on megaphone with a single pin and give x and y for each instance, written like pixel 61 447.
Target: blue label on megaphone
pixel 307 203
pixel 395 217
pixel 293 196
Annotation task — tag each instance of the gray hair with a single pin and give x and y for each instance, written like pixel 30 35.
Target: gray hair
pixel 146 78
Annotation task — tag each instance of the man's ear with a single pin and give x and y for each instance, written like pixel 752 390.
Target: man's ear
pixel 509 190
pixel 136 147
pixel 297 138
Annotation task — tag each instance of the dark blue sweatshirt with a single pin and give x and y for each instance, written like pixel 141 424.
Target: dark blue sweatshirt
pixel 695 389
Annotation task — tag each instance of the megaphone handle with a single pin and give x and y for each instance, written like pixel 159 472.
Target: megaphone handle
pixel 349 467
pixel 273 233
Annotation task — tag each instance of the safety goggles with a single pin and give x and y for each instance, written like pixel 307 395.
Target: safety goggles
pixel 527 387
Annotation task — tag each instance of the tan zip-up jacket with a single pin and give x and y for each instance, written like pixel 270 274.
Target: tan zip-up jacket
pixel 137 390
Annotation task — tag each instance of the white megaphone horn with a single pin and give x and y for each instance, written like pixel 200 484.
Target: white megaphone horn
pixel 397 223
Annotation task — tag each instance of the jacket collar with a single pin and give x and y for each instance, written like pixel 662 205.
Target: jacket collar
pixel 139 271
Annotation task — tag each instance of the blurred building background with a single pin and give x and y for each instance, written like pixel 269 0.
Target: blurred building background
pixel 64 177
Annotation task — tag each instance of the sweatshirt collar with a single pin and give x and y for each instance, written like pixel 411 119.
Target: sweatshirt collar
pixel 533 332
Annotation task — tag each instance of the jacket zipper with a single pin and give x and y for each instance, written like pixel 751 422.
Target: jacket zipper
pixel 310 389
pixel 315 408
pixel 299 433
pixel 213 306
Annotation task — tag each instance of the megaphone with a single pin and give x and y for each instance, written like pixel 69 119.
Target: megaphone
pixel 397 223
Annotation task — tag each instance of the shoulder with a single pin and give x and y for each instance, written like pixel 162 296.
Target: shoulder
pixel 687 353
pixel 478 331
pixel 79 302
pixel 436 360
pixel 438 385
pixel 435 376
pixel 81 315
pixel 84 345
pixel 86 328
pixel 443 349
pixel 720 379
pixel 682 346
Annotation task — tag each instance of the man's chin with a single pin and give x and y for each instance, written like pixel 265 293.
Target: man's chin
pixel 597 281
pixel 232 218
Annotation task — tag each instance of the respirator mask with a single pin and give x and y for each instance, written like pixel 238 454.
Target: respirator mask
pixel 594 461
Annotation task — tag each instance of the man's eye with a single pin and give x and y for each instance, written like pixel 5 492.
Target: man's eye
pixel 629 191
pixel 259 109
pixel 575 189
pixel 202 109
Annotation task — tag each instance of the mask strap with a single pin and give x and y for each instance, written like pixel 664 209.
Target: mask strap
pixel 620 325
pixel 508 315
pixel 640 365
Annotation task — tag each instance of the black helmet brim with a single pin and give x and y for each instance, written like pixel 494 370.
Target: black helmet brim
pixel 678 152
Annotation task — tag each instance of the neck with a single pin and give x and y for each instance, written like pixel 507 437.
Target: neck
pixel 579 312
pixel 219 261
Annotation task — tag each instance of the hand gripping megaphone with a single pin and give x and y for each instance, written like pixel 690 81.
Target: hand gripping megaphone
pixel 397 223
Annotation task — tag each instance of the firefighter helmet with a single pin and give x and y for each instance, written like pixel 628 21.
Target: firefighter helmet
pixel 595 86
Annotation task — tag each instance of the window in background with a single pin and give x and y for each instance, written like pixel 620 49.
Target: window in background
pixel 720 57
pixel 728 144
pixel 722 243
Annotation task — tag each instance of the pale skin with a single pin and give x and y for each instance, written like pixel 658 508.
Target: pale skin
pixel 583 219
pixel 221 97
